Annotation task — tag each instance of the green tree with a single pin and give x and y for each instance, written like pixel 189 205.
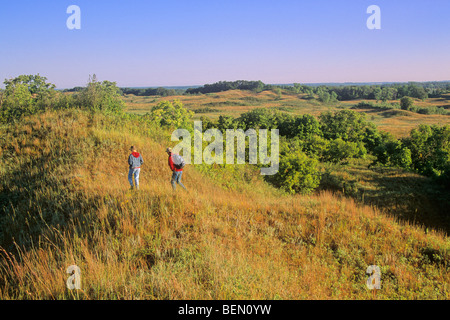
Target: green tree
pixel 372 137
pixel 171 114
pixel 25 95
pixel 339 150
pixel 226 122
pixel 101 96
pixel 306 126
pixel 261 118
pixel 17 102
pixel 315 147
pixel 406 103
pixel 324 96
pixel 430 149
pixel 393 153
pixel 297 173
pixel 207 123
pixel 43 92
pixel 347 125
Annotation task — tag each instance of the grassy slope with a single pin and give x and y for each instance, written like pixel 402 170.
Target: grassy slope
pixel 65 200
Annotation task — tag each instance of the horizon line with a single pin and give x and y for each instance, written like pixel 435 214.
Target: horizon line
pixel 278 84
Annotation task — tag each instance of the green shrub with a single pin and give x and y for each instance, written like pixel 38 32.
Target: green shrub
pixel 25 95
pixel 297 174
pixel 315 146
pixel 170 114
pixel 340 150
pixel 393 153
pixel 430 149
pixel 347 125
pixel 206 110
pixel 100 96
pixel 259 118
pixel 406 103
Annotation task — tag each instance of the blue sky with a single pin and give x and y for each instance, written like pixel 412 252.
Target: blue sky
pixel 170 43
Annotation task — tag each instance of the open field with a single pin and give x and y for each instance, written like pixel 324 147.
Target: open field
pixel 235 102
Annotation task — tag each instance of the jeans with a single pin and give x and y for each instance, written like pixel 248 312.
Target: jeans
pixel 176 178
pixel 134 172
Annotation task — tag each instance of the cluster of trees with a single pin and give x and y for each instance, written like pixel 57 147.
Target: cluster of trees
pixel 426 150
pixel 324 93
pixel 381 92
pixel 160 91
pixel 30 94
pixel 336 138
pixel 220 86
pixel 407 103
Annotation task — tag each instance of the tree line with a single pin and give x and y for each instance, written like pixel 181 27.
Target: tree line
pixel 336 137
pixel 379 92
pixel 324 93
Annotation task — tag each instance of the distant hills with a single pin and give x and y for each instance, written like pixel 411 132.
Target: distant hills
pixel 315 84
pixel 318 84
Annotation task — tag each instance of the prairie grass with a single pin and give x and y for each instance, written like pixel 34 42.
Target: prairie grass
pixel 236 102
pixel 65 200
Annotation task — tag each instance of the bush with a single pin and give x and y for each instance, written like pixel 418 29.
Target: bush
pixel 18 102
pixel 307 126
pixel 25 95
pixel 297 174
pixel 100 96
pixel 171 114
pixel 347 125
pixel 340 150
pixel 433 110
pixel 315 146
pixel 406 103
pixel 261 118
pixel 393 153
pixel 373 105
pixel 430 149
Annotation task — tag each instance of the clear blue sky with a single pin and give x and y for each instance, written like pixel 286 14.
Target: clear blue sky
pixel 170 43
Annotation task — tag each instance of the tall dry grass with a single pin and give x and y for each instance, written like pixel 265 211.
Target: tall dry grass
pixel 66 201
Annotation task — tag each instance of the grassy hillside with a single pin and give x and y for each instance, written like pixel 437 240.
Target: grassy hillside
pixel 236 102
pixel 65 200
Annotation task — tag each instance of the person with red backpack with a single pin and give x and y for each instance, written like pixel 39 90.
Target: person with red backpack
pixel 176 164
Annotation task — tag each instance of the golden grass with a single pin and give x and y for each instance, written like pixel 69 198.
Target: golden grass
pixel 209 243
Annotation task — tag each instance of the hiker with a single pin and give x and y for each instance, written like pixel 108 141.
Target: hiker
pixel 135 161
pixel 177 171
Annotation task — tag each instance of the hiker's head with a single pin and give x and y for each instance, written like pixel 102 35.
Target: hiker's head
pixel 169 150
pixel 133 149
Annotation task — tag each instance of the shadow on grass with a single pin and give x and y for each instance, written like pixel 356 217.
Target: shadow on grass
pixel 35 201
pixel 412 198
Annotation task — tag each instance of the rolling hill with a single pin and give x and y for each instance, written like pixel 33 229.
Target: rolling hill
pixel 65 201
